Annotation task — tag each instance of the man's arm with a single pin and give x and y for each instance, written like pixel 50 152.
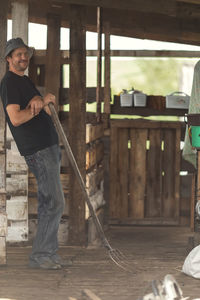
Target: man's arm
pixel 18 116
pixel 36 104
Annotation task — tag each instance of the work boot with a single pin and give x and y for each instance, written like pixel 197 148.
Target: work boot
pixel 63 262
pixel 44 263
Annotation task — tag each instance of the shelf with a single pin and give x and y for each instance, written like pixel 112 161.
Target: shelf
pixel 146 111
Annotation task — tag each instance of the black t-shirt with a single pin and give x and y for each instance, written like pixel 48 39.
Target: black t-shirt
pixel 36 134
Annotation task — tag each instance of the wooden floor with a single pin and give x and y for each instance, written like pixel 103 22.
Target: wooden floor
pixel 152 252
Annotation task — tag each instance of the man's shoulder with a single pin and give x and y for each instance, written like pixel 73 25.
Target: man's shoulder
pixel 8 75
pixel 10 78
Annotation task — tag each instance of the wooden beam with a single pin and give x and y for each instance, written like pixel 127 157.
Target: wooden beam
pixel 189 1
pixel 3 38
pixel 152 21
pixel 162 28
pixel 40 55
pixel 99 64
pixel 77 120
pixel 52 67
pixel 20 19
pixel 188 11
pixel 107 77
pixel 158 6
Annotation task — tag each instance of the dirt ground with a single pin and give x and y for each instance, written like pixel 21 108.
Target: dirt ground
pixel 152 252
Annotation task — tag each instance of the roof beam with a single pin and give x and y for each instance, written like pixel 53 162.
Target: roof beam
pixel 129 23
pixel 189 1
pixel 157 6
pixel 40 55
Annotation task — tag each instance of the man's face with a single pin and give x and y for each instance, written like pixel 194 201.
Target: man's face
pixel 19 60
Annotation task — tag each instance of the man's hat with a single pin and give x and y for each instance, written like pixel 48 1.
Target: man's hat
pixel 15 43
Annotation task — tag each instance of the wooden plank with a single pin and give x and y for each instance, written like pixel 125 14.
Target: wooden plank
pixel 3 250
pixel 154 176
pixel 17 231
pixel 186 182
pixel 17 184
pixel 77 121
pixel 89 295
pixel 52 70
pixel 114 205
pixel 94 180
pixel 94 154
pixel 141 123
pixel 123 170
pixel 17 210
pixel 147 111
pixel 168 190
pixel 3 223
pixel 94 132
pixel 137 184
pixel 97 201
pixel 2 172
pixel 3 199
pixel 158 221
pixel 15 162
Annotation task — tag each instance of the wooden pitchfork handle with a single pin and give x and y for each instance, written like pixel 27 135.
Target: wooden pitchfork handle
pixel 78 175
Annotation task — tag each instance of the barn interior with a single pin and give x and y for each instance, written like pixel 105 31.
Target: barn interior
pixel 141 188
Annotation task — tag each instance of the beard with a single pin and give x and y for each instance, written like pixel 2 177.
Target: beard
pixel 20 66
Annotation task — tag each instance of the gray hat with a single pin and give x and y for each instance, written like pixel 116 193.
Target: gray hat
pixel 15 43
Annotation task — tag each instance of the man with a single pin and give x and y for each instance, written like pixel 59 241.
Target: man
pixel 28 117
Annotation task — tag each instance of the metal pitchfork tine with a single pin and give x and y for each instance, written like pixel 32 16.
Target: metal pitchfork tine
pixel 116 256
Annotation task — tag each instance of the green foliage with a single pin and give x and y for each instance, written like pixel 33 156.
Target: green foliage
pixel 152 76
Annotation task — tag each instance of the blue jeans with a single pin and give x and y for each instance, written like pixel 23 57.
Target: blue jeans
pixel 45 165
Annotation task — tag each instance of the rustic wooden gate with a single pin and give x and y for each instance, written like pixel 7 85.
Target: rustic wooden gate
pixel 144 172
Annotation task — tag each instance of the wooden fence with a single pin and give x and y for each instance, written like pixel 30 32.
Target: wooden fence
pixel 145 169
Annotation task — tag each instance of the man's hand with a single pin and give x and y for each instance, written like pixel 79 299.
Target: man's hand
pixel 49 98
pixel 36 104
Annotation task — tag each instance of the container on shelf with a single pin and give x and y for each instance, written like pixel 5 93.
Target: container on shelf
pixel 178 100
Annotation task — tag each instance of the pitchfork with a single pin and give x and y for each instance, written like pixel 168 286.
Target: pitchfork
pixel 116 256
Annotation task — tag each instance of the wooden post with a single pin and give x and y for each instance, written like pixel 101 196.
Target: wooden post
pixel 3 217
pixel 16 166
pixel 77 120
pixel 20 19
pixel 99 64
pixel 52 67
pixel 107 93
